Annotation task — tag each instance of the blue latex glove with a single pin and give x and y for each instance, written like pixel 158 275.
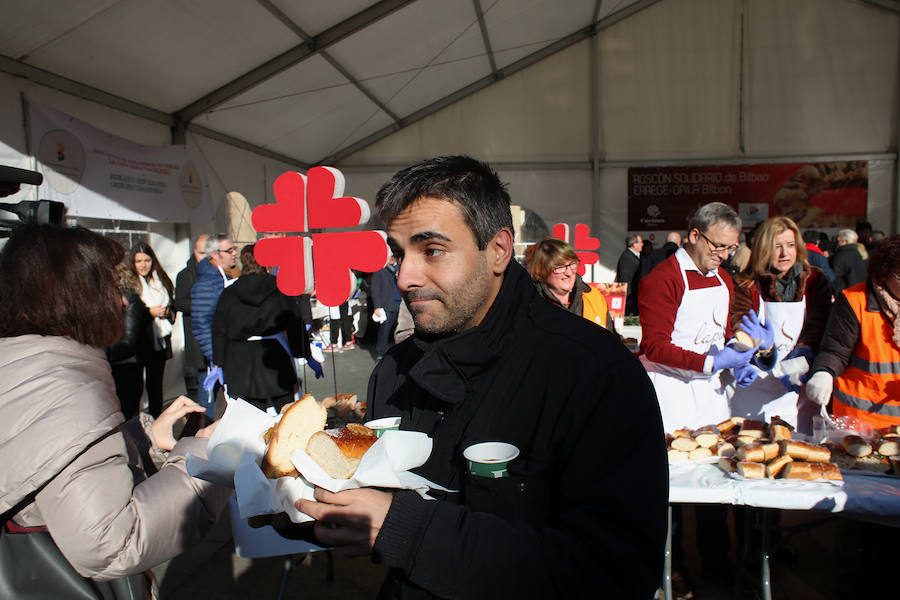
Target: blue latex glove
pixel 752 327
pixel 729 358
pixel 316 366
pixel 744 375
pixel 803 351
pixel 214 375
pixel 790 385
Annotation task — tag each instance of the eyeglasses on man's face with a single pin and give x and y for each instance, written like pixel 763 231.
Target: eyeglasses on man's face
pixel 718 248
pixel 230 250
pixel 563 268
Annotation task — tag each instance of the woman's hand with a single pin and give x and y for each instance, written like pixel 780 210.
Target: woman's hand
pixel 162 426
pixel 207 431
pixel 158 311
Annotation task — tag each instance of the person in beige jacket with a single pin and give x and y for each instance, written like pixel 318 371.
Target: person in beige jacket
pixel 116 507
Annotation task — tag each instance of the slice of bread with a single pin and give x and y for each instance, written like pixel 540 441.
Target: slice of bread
pixel 298 423
pixel 338 451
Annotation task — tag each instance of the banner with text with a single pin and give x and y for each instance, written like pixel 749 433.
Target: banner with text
pixel 99 175
pixel 814 195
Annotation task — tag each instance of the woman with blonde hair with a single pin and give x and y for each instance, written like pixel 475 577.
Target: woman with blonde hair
pixel 553 266
pixel 157 293
pixel 780 288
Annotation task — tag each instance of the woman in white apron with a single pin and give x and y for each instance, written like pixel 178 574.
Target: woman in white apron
pixel 793 299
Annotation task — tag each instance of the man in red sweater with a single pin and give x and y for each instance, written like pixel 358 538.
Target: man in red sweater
pixel 684 304
pixel 685 326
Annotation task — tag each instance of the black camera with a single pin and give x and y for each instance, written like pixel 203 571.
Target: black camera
pixel 26 211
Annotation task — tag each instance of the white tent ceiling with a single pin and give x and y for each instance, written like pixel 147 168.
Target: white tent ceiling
pixel 303 81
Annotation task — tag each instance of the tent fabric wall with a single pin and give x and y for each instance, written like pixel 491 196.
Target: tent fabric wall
pixel 670 82
pixel 820 77
pixel 753 79
pixel 714 80
pixel 699 81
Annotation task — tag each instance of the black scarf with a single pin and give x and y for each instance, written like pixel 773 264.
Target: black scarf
pixel 786 285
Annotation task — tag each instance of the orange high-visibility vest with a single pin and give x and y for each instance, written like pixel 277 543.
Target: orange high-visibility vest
pixel 594 307
pixel 869 388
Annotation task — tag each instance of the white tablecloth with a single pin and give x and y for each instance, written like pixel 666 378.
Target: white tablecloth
pixel 864 496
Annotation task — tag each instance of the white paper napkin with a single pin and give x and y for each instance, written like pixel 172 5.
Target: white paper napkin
pixel 385 464
pixel 236 450
pixel 238 433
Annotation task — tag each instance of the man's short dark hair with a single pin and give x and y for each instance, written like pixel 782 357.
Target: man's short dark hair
pixel 631 239
pixel 811 236
pixel 61 281
pixel 470 184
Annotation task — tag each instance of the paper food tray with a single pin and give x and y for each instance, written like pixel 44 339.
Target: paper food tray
pixel 709 460
pixel 257 542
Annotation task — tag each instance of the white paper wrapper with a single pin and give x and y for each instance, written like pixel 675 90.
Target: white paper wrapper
pixel 385 464
pixel 239 433
pixel 709 460
pixel 256 542
pixel 236 450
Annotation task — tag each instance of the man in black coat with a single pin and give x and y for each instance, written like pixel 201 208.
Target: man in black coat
pixel 847 262
pixel 582 508
pixel 257 331
pixel 194 362
pixel 673 243
pixel 628 270
pixel 386 302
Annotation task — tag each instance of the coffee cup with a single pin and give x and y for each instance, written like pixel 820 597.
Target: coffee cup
pixel 490 459
pixel 379 426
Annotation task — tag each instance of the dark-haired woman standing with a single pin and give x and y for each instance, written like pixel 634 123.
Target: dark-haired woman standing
pixel 81 474
pixel 157 293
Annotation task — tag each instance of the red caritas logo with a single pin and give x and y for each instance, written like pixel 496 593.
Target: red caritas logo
pixel 584 245
pixel 316 201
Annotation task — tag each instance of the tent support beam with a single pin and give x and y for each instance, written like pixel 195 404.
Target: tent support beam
pixel 267 4
pixel 595 125
pixel 485 36
pixel 290 58
pixel 227 139
pixel 80 90
pixel 523 63
pixel 891 5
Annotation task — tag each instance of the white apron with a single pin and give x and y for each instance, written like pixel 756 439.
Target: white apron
pixel 767 396
pixel 693 398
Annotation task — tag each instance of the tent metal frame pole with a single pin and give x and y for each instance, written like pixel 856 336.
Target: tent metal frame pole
pixel 665 162
pixel 595 130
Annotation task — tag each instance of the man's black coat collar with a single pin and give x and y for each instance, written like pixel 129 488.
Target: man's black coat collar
pixel 446 365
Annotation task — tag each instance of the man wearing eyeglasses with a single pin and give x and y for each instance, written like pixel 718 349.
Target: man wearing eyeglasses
pixel 685 326
pixel 212 277
pixel 684 304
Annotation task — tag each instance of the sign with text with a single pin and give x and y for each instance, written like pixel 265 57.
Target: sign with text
pixel 96 174
pixel 820 195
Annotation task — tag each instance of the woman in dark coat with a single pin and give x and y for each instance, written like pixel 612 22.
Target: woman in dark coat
pixel 257 331
pixel 128 356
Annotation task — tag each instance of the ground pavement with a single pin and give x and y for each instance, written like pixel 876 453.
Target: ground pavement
pixel 816 572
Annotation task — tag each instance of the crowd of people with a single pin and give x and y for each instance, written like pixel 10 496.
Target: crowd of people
pixel 495 351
